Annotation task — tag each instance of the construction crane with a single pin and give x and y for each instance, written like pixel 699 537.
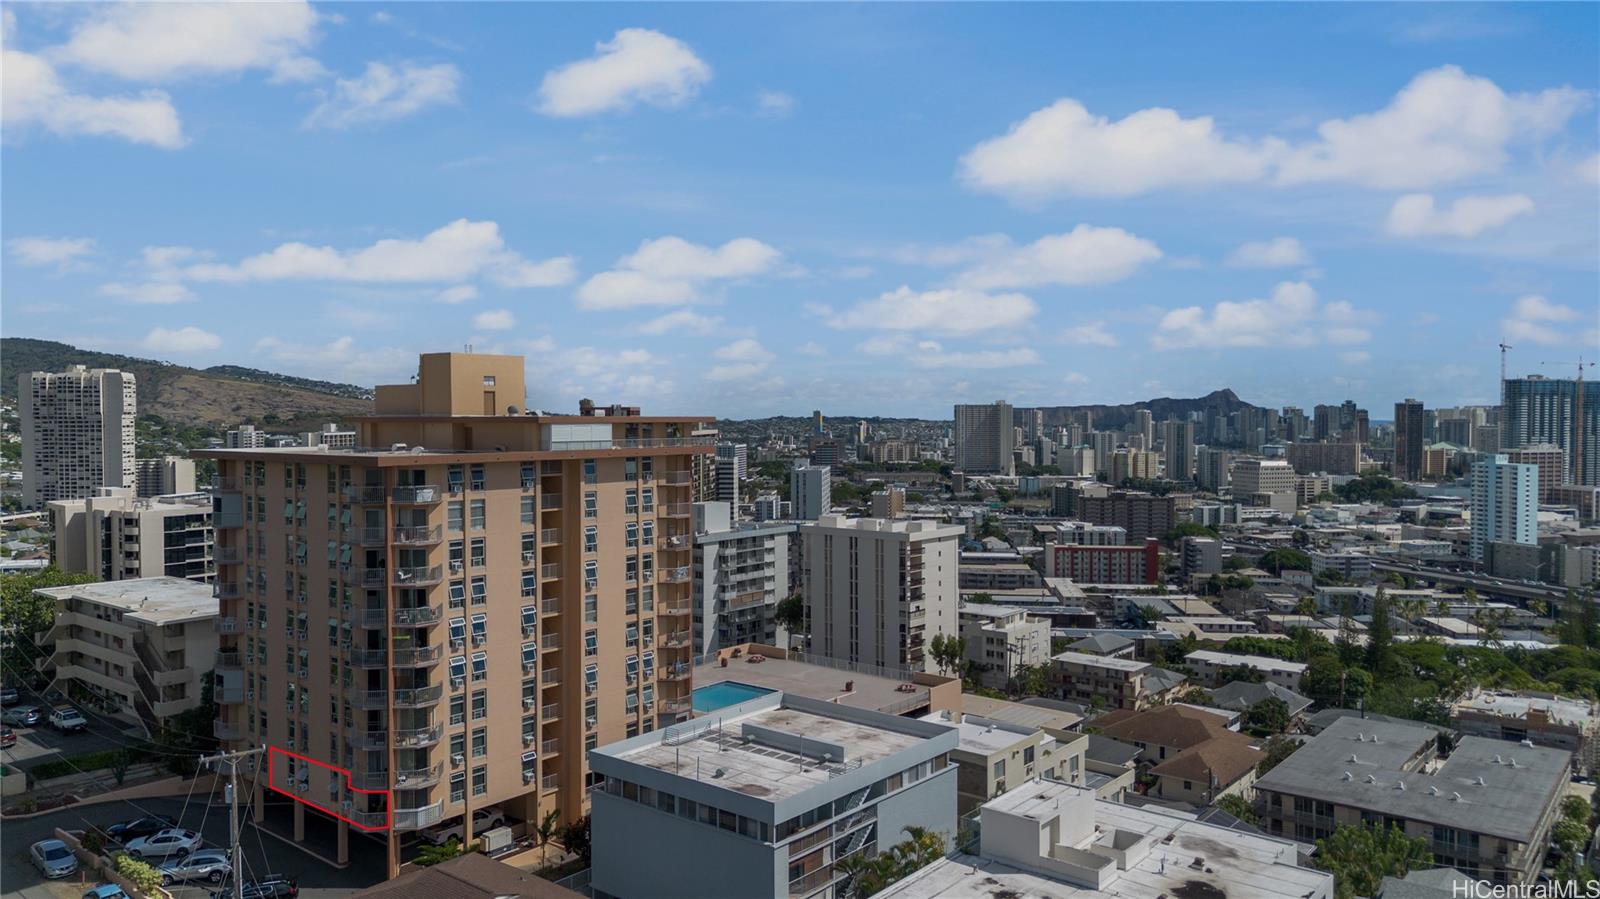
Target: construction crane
pixel 1503 347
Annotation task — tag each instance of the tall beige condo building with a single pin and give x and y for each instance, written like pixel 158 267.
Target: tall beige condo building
pixel 460 606
pixel 878 591
pixel 77 432
pixel 985 438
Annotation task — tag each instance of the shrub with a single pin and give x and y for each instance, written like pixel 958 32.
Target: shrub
pixel 143 876
pixel 89 761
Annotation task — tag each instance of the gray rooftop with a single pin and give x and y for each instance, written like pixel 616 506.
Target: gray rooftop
pixel 1241 696
pixel 817 681
pixel 1101 644
pixel 1343 765
pixel 156 600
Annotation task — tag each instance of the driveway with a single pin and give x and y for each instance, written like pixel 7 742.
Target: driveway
pixel 262 852
pixel 42 743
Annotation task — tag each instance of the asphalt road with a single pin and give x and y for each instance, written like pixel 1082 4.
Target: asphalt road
pixel 262 852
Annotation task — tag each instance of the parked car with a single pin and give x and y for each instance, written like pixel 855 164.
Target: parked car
pixel 22 716
pixel 482 819
pixel 8 737
pixel 53 859
pixel 269 886
pixel 164 844
pixel 106 891
pixel 68 720
pixel 140 827
pixel 8 695
pixel 211 865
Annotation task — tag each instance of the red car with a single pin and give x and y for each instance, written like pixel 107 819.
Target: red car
pixel 8 738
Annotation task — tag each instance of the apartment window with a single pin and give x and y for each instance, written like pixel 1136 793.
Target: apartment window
pixel 458 669
pixel 591 643
pixel 633 669
pixel 630 602
pixel 480 780
pixel 530 656
pixel 530 618
pixel 458 555
pixel 480 705
pixel 591 505
pixel 479 552
pixel 632 634
pixel 1027 755
pixel 530 547
pixel 591 677
pixel 631 534
pixel 591 708
pixel 648 566
pixel 630 469
pixel 458 631
pixel 591 573
pixel 630 501
pixel 528 510
pixel 458 786
pixel 649 533
pixel 480 628
pixel 589 475
pixel 530 584
pixel 480 590
pixel 454 477
pixel 475 482
pixel 999 768
pixel 649 660
pixel 453 516
pixel 530 764
pixel 591 538
pixel 480 742
pixel 480 515
pixel 480 665
pixel 630 569
pixel 648 495
pixel 528 476
pixel 591 608
pixel 458 594
pixel 530 729
pixel 458 714
pixel 647 467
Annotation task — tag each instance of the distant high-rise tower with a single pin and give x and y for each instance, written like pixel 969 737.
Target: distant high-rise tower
pixel 732 470
pixel 810 491
pixel 816 422
pixel 1505 504
pixel 1144 426
pixel 985 436
pixel 1409 440
pixel 1178 437
pixel 1537 410
pixel 77 432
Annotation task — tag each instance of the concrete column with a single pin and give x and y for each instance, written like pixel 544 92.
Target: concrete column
pixel 299 822
pixel 258 807
pixel 344 842
pixel 393 855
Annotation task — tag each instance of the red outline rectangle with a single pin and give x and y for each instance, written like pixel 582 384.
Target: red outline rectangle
pixel 388 798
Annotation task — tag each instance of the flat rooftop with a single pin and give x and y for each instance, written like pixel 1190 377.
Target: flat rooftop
pixel 714 751
pixel 989 610
pixel 816 681
pixel 981 736
pixel 1083 658
pixel 1037 717
pixel 1576 712
pixel 154 600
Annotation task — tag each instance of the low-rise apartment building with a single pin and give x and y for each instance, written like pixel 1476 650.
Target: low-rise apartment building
pixel 1545 719
pixel 1486 810
pixel 772 793
pixel 1191 754
pixel 1109 682
pixel 115 535
pixel 1058 840
pixel 994 755
pixel 1001 639
pixel 1209 665
pixel 1000 577
pixel 1105 564
pixel 741 573
pixel 145 646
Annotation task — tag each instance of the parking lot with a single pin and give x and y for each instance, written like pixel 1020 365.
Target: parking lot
pixel 261 852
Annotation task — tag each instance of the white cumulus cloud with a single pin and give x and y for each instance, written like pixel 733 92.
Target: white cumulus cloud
pixel 931 354
pixel 743 358
pixel 31 94
pixel 461 293
pixel 1537 320
pixel 636 66
pixel 150 293
pixel 1089 334
pixel 164 41
pixel 1084 255
pixel 1291 316
pixel 384 93
pixel 951 312
pixel 1279 252
pixel 56 251
pixel 668 271
pixel 1415 215
pixel 685 320
pixel 181 340
pixel 494 320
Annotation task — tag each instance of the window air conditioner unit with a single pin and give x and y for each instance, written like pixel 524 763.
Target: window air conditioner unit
pixel 347 805
pixel 527 630
pixel 528 557
pixel 528 739
pixel 527 777
pixel 303 787
pixel 589 722
pixel 457 760
pixel 529 702
pixel 456 566
pixel 458 682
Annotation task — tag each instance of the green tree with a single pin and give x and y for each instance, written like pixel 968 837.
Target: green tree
pixel 546 830
pixel 1269 716
pixel 1380 636
pixel 429 854
pixel 575 837
pixel 1277 560
pixel 26 615
pixel 791 612
pixel 1033 680
pixel 1187 529
pixel 948 652
pixel 980 598
pixel 1239 807
pixel 1361 857
pixel 142 875
pixel 1332 684
pixel 1276 750
pixel 1240 673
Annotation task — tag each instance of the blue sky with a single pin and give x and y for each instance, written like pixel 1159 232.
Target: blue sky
pixel 765 209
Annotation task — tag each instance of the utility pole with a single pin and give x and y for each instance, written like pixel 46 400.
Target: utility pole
pixel 232 760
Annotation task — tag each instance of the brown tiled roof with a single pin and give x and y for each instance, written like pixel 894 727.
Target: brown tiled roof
pixel 1227 757
pixel 1169 725
pixel 470 876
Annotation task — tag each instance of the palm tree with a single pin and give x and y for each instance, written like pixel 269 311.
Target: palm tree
pixel 546 831
pixel 1305 608
pixel 923 848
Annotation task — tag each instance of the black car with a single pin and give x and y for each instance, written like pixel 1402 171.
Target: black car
pixel 270 886
pixel 140 827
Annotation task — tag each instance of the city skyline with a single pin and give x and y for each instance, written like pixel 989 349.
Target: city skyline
pixel 766 210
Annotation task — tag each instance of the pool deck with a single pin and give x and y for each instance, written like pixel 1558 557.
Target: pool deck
pixel 738 690
pixel 871 691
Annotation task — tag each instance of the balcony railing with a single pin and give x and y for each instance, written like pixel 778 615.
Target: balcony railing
pixel 364 818
pixel 418 657
pixel 228 485
pixel 227 555
pixel 417 616
pixel 364 577
pixel 363 494
pixel 550 571
pixel 228 625
pixel 558 446
pixel 228 590
pixel 549 748
pixel 676 639
pixel 418 818
pixel 368 537
pixel 550 607
pixel 369 658
pixel 678 575
pixel 550 677
pixel 551 712
pixel 677 479
pixel 549 501
pixel 417 494
pixel 228 660
pixel 550 641
pixel 418 697
pixel 416 778
pixel 550 782
pixel 418 737
pixel 676 705
pixel 418 536
pixel 421 576
pixel 676 510
pixel 675 541
pixel 679 607
pixel 675 672
pixel 369 739
pixel 226 731
pixel 370 699
pixel 549 536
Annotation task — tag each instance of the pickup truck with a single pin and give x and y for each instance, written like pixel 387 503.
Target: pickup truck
pixel 68 720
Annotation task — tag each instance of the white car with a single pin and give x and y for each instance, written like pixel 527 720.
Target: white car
pixel 172 842
pixel 482 819
pixel 210 865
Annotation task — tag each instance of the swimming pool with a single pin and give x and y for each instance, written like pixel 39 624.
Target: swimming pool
pixel 714 696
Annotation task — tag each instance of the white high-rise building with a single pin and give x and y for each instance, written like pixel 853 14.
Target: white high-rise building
pixel 810 490
pixel 164 476
pixel 741 573
pixel 77 432
pixel 877 592
pixel 985 439
pixel 245 437
pixel 733 462
pixel 1505 504
pixel 117 536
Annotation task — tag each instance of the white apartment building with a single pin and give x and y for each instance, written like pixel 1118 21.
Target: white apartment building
pixel 1208 665
pixel 985 438
pixel 877 591
pixel 245 437
pixel 164 476
pixel 771 507
pixel 1505 504
pixel 77 432
pixel 1253 476
pixel 145 645
pixel 116 536
pixel 1001 639
pixel 810 490
pixel 741 572
pixel 733 468
pixel 1082 533
pixel 331 436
